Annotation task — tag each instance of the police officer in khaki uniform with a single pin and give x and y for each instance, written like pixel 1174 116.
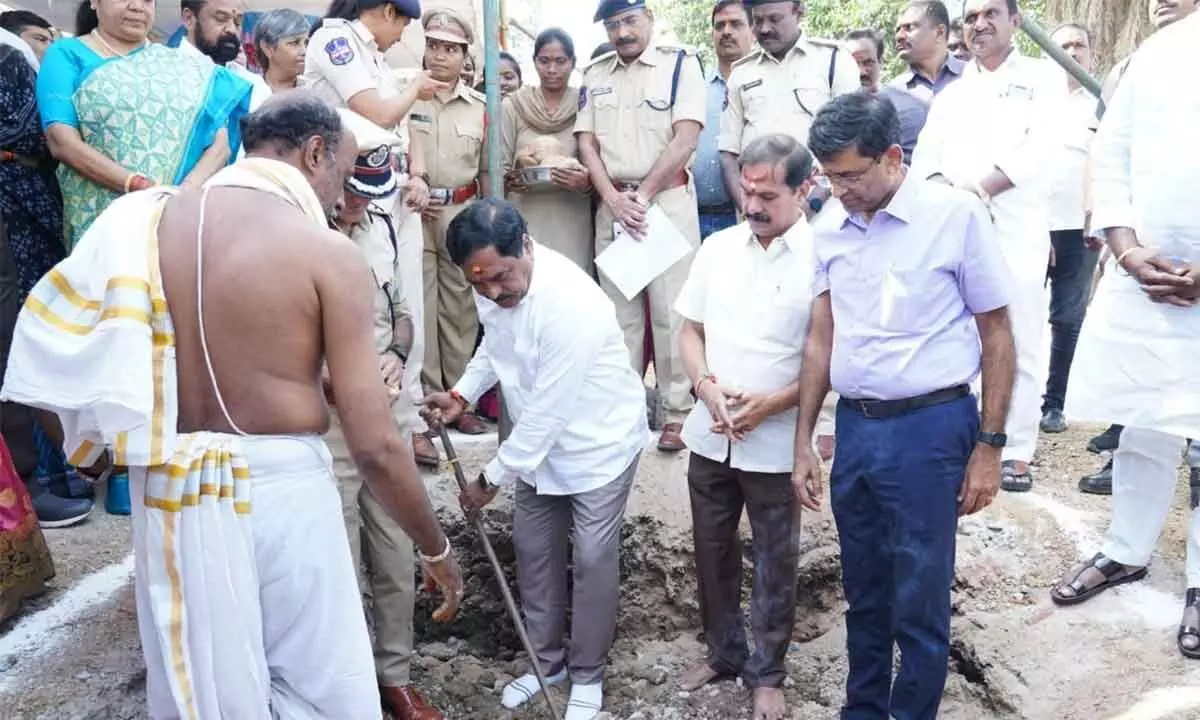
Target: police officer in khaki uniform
pixel 641 109
pixel 345 67
pixel 449 128
pixel 780 86
pixel 365 217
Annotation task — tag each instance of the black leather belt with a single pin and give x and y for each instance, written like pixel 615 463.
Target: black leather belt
pixel 880 409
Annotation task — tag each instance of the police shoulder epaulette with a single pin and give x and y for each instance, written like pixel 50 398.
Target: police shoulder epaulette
pixel 476 95
pixel 822 42
pixel 600 59
pixel 752 57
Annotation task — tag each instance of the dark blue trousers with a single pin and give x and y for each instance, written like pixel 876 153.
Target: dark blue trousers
pixel 1070 285
pixel 894 490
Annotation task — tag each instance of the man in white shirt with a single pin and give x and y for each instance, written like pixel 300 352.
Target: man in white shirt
pixel 214 29
pixel 1136 362
pixel 1074 255
pixel 745 307
pixel 552 341
pixel 991 133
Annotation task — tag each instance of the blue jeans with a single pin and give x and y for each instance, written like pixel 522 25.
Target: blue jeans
pixel 711 222
pixel 894 490
pixel 1070 284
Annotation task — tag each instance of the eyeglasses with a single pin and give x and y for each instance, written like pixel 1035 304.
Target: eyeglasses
pixel 851 179
pixel 628 22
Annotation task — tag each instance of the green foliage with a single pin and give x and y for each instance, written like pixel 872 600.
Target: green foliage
pixel 690 21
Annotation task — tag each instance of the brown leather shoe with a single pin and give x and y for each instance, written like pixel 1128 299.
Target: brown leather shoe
pixel 405 703
pixel 424 451
pixel 470 424
pixel 670 441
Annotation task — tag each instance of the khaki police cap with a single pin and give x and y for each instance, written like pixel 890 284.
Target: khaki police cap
pixel 448 26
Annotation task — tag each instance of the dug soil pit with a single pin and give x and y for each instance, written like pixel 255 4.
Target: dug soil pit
pixel 463 665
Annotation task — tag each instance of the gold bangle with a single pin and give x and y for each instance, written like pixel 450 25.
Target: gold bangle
pixel 434 560
pixel 1125 254
pixel 129 181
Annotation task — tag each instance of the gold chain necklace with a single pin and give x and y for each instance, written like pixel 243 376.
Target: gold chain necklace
pixel 100 38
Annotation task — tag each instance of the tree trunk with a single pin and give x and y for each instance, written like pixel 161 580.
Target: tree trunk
pixel 1117 27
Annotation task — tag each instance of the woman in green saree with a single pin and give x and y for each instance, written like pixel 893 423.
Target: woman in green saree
pixel 122 114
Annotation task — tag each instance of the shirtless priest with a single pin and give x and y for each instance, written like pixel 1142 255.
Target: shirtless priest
pixel 248 606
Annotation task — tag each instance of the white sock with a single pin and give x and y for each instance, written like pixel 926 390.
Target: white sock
pixel 586 701
pixel 525 688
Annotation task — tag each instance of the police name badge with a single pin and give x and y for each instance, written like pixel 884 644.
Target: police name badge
pixel 339 51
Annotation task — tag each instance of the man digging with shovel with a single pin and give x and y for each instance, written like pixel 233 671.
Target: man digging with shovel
pixel 552 341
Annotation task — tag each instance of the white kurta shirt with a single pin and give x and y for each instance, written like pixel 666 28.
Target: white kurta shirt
pixel 754 304
pixel 1066 198
pixel 1136 360
pixel 578 408
pixel 1011 119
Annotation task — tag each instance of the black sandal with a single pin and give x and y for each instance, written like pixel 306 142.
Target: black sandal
pixel 1013 481
pixel 1187 629
pixel 1113 572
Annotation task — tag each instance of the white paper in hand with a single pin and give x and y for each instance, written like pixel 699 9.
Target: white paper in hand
pixel 631 264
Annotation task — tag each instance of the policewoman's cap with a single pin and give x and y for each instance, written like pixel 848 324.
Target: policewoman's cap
pixel 408 8
pixel 374 176
pixel 448 26
pixel 608 8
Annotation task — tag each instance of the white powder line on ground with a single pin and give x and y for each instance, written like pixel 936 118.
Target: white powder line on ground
pixel 1162 703
pixel 1156 608
pixel 44 630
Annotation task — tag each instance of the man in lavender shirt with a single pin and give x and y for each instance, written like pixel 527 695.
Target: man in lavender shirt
pixel 911 305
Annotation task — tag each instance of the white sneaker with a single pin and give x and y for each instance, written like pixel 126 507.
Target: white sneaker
pixel 525 688
pixel 586 701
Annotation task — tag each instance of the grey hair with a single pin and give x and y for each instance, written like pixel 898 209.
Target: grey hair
pixel 287 120
pixel 274 26
pixel 776 150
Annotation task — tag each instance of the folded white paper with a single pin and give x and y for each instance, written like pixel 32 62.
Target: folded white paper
pixel 632 264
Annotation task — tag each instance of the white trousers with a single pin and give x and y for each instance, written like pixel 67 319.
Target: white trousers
pixel 1029 312
pixel 410 244
pixel 1145 476
pixel 247 602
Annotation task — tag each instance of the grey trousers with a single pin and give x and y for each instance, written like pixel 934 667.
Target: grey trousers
pixel 540 527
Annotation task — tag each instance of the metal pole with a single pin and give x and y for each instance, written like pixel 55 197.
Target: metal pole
pixel 491 78
pixel 509 601
pixel 1039 35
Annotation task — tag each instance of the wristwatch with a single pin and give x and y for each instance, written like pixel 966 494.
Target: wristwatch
pixel 996 440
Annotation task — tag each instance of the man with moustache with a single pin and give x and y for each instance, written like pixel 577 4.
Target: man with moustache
pixel 732 39
pixel 922 41
pixel 746 305
pixel 955 42
pixel 552 341
pixel 779 87
pixel 1162 14
pixel 1075 256
pixel 910 310
pixel 641 109
pixel 214 29
pixel 989 133
pixel 866 47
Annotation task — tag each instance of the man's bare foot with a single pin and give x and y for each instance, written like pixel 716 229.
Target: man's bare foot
pixel 769 704
pixel 698 677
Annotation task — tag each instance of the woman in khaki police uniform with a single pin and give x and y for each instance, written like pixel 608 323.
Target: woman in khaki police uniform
pixel 559 216
pixel 449 129
pixel 344 66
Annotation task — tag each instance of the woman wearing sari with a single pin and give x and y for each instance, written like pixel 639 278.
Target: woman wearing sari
pixel 559 215
pixel 25 564
pixel 121 114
